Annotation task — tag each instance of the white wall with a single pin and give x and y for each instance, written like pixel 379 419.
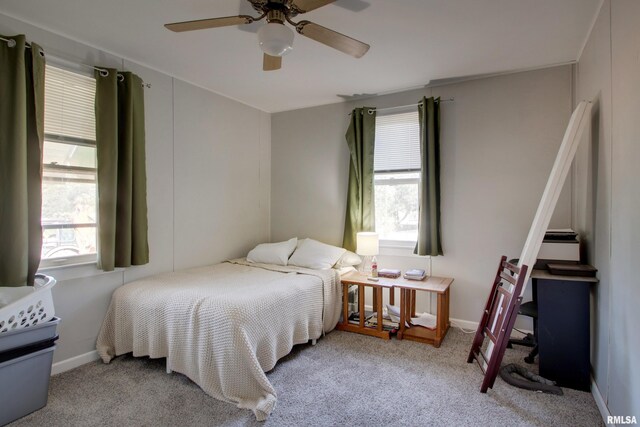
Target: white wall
pixel 219 208
pixel 624 369
pixel 592 184
pixel 499 140
pixel 208 186
pixel 606 188
pixel 310 168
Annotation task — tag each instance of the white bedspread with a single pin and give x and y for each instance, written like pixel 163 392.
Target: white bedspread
pixel 224 325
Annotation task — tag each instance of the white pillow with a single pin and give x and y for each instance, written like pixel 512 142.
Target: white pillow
pixel 349 259
pixel 314 254
pixel 273 253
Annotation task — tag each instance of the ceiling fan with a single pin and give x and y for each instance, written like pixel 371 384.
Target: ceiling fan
pixel 276 39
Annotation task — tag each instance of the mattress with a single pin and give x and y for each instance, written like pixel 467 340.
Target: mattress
pixel 224 325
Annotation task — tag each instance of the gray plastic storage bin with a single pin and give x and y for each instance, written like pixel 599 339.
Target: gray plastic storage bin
pixel 26 336
pixel 25 367
pixel 24 384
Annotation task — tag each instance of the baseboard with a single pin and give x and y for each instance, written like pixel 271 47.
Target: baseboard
pixel 602 406
pixel 464 324
pixel 74 362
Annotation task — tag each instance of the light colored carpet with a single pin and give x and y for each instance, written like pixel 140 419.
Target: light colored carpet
pixel 346 379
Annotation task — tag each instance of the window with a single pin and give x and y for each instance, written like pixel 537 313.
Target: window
pixel 69 191
pixel 397 177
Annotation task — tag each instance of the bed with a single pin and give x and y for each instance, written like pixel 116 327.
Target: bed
pixel 223 326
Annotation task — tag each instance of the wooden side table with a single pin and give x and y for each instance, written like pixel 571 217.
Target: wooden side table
pixel 359 279
pixel 408 288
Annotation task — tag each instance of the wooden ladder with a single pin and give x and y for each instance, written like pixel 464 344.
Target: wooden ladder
pixel 498 319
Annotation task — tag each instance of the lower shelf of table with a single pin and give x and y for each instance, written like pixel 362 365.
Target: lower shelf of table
pixel 423 335
pixel 374 332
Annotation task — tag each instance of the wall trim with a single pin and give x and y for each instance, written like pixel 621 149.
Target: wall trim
pixel 74 362
pixel 464 324
pixel 602 406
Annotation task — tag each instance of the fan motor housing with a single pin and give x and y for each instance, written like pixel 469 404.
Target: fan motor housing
pixel 269 6
pixel 276 16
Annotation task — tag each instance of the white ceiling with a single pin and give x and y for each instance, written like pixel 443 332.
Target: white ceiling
pixel 412 42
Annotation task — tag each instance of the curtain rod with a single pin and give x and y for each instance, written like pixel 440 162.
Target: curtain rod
pixel 370 111
pixel 103 72
pixel 411 105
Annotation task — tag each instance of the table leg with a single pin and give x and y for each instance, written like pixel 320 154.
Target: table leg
pixel 447 296
pixel 374 297
pixel 402 313
pixel 439 317
pixel 442 317
pixel 413 303
pixel 361 304
pixel 345 303
pixel 392 296
pixel 377 292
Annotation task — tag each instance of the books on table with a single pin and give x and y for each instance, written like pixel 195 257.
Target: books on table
pixel 389 273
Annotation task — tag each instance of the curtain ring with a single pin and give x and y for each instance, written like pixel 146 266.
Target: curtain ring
pixel 370 111
pixel 11 43
pixel 104 73
pixel 41 52
pixel 120 77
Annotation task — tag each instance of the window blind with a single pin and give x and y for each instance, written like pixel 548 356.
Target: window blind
pixel 397 145
pixel 69 104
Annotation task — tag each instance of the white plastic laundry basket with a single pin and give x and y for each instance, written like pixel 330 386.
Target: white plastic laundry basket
pixel 24 306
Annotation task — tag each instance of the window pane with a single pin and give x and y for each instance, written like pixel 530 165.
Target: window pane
pixel 66 202
pixel 396 198
pixel 397 145
pixel 69 104
pixel 69 173
pixel 69 155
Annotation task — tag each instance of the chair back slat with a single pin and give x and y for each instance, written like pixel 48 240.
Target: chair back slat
pixel 508 278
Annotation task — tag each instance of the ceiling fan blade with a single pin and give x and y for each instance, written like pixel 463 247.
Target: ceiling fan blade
pixel 271 63
pixel 332 39
pixel 202 24
pixel 304 6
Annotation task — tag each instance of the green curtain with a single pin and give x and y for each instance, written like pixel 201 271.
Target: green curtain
pixel 360 214
pixel 122 181
pixel 429 240
pixel 21 138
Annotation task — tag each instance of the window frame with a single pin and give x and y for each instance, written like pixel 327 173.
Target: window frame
pixel 71 260
pixel 391 244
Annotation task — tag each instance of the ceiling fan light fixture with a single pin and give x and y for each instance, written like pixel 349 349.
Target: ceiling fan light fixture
pixel 275 39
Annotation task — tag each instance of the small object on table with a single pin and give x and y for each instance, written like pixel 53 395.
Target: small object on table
pixel 372 279
pixel 389 273
pixel 581 270
pixel 367 246
pixel 415 274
